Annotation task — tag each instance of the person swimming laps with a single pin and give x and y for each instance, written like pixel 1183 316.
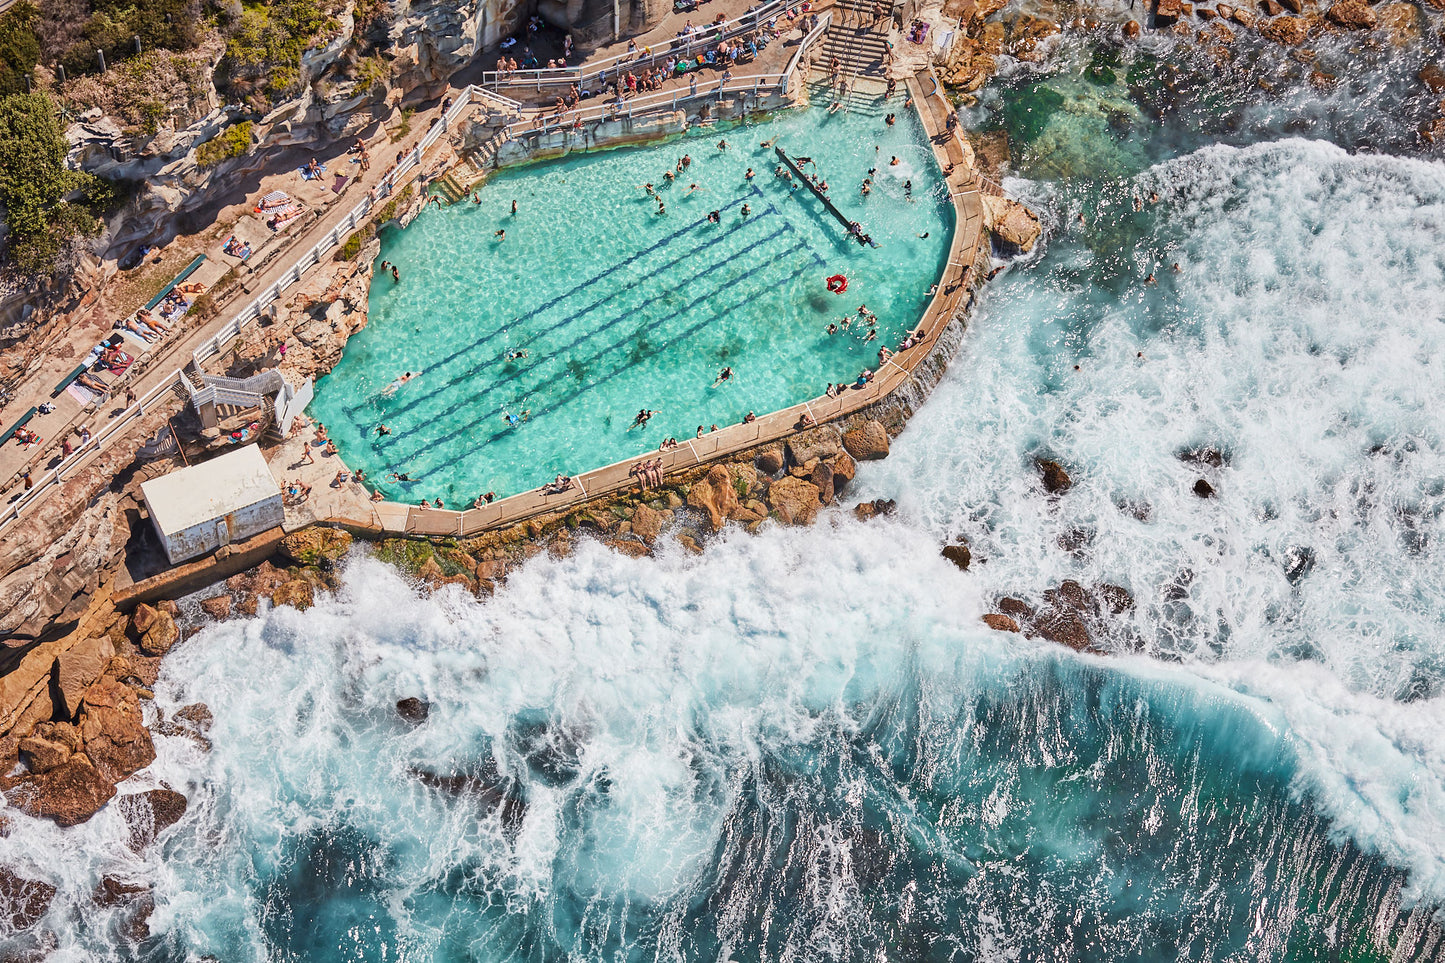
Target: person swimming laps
pixel 396 383
pixel 724 375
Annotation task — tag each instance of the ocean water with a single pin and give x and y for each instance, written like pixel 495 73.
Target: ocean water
pixel 804 745
pixel 619 308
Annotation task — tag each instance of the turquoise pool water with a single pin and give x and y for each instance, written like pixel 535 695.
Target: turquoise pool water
pixel 621 308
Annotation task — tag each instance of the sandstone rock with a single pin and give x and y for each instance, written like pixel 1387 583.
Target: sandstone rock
pixel 168 606
pixel 1352 15
pixel 1206 13
pixel 1000 623
pixel 114 891
pixel 1056 480
pixel 77 668
pixel 795 501
pixel 142 619
pixel 310 545
pixel 1402 22
pixel 1203 489
pixel 1242 17
pixel 162 634
pixel 1012 224
pixel 51 744
pixel 623 547
pixel 1270 8
pixel 115 737
pixel 845 469
pixel 1070 595
pixel 715 495
pixel 820 442
pixel 1168 9
pixel 1016 607
pixel 1433 131
pixel 770 460
pixel 822 478
pixel 689 543
pixel 1433 76
pixel 1293 6
pixel 69 794
pixel 1114 599
pixel 1224 10
pixel 959 554
pixel 1286 30
pixel 413 710
pixel 1132 30
pixel 1065 628
pixel 150 813
pixel 867 442
pixel 197 715
pixel 1323 81
pixel 646 523
pixel 23 901
pixel 217 607
pixel 296 592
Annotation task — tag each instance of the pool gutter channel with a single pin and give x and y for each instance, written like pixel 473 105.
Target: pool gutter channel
pixel 899 387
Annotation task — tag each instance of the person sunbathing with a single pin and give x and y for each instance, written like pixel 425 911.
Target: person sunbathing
pixel 191 287
pixel 92 383
pixel 151 321
pixel 145 333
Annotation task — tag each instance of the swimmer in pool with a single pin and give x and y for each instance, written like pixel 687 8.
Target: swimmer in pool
pixel 723 375
pixel 519 355
pixel 397 383
pixel 749 175
pixel 643 416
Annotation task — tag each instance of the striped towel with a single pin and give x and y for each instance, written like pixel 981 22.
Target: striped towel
pixel 273 199
pixel 83 395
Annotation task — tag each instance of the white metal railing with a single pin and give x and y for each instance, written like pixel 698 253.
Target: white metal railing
pixel 566 76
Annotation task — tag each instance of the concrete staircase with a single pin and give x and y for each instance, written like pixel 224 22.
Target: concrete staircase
pixel 458 182
pixel 857 42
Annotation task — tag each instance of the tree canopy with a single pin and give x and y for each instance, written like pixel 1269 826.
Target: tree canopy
pixel 35 184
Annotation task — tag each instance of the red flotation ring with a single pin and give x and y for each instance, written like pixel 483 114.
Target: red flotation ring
pixel 837 284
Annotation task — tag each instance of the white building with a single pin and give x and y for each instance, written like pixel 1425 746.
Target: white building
pixel 227 499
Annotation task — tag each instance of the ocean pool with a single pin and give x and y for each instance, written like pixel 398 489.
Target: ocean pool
pixel 619 307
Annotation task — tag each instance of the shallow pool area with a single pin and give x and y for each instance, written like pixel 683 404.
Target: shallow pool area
pixel 535 349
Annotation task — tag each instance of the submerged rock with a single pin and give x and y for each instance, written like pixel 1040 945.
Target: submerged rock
pixel 959 555
pixel 1000 623
pixel 150 813
pixel 1203 489
pixel 1056 480
pixel 23 901
pixel 413 710
pixel 1352 15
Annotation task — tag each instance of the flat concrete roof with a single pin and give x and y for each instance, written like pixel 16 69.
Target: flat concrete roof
pixel 210 490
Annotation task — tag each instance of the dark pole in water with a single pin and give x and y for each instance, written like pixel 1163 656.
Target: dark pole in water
pixel 857 235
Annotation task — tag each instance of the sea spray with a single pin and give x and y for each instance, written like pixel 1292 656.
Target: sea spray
pixel 802 744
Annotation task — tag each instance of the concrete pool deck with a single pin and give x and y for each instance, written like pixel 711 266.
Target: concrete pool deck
pixel 965 189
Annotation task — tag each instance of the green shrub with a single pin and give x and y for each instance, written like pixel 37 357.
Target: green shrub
pixel 35 184
pixel 396 203
pixel 371 73
pixel 267 41
pixel 231 142
pixel 19 47
pixel 353 244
